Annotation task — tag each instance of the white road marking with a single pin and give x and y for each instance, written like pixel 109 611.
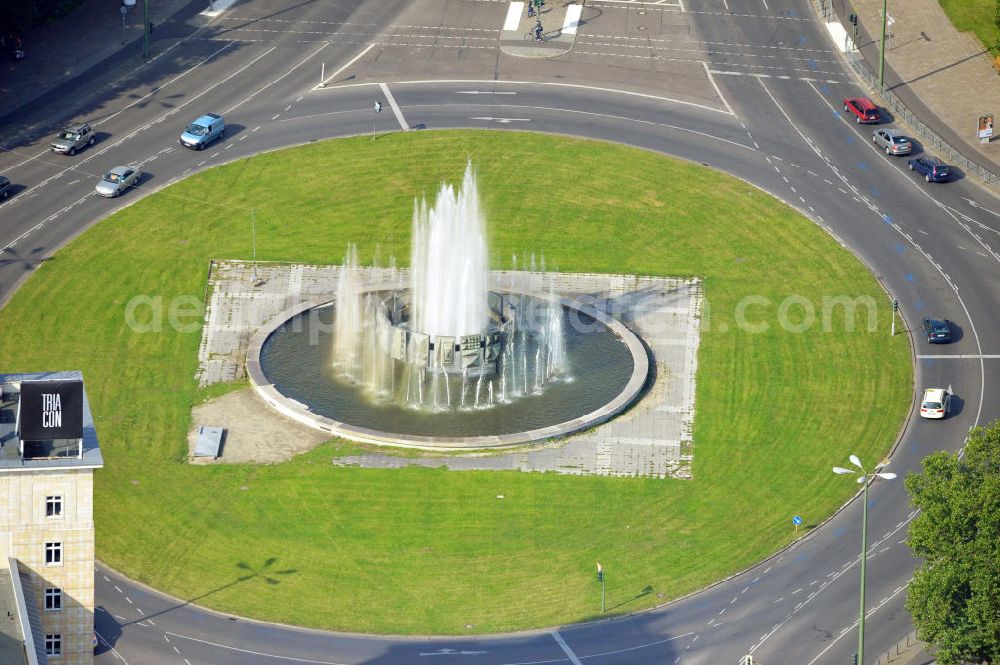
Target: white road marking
pixel 572 20
pixel 513 16
pixel 265 87
pixel 959 356
pixel 545 83
pixel 708 72
pixel 565 647
pixel 349 63
pixel 502 121
pixel 100 638
pixel 254 653
pixel 394 106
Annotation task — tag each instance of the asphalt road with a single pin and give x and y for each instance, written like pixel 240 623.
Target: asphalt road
pixel 746 86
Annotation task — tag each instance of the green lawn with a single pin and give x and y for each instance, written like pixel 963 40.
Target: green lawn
pixel 428 550
pixel 975 16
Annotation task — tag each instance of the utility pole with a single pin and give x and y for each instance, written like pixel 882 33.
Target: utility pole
pixel 253 235
pixel 145 32
pixel 881 56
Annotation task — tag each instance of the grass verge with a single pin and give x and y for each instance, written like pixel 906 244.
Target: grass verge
pixel 975 16
pixel 427 550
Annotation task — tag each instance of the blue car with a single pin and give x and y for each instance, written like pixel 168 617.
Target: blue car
pixel 932 168
pixel 203 131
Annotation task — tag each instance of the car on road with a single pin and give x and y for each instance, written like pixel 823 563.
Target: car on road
pixel 117 180
pixel 892 141
pixel 4 187
pixel 203 131
pixel 73 138
pixel 938 331
pixel 936 403
pixel 932 168
pixel 864 109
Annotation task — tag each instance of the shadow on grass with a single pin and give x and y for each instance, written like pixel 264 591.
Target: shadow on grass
pixel 648 589
pixel 263 573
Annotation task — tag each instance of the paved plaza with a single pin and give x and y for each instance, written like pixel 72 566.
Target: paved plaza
pixel 652 438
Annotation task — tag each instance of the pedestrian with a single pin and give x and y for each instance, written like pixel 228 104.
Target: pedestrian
pixel 531 10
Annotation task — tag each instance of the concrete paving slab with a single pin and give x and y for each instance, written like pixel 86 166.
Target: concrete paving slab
pixel 652 438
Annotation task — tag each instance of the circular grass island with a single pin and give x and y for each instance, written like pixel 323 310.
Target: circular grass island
pixel 419 550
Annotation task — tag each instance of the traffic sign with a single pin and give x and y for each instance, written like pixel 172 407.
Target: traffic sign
pixel 796 520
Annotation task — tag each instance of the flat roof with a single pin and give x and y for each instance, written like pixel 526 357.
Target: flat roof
pixel 10 454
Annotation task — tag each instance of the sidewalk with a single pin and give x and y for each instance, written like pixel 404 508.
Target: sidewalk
pixel 78 44
pixel 934 68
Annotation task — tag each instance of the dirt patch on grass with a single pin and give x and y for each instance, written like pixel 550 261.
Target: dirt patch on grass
pixel 255 433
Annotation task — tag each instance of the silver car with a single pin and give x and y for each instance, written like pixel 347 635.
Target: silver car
pixel 117 180
pixel 892 142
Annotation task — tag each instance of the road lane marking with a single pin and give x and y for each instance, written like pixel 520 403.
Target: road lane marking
pixel 265 87
pixel 572 20
pixel 394 106
pixel 565 647
pixel 959 356
pixel 708 73
pixel 594 88
pixel 513 16
pixel 255 653
pixel 349 63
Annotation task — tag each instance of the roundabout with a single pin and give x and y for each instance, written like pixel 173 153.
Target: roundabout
pixel 767 315
pixel 532 567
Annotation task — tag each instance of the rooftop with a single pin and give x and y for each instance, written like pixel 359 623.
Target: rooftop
pixel 43 454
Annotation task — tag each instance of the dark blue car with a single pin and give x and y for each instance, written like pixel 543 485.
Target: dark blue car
pixel 938 331
pixel 932 168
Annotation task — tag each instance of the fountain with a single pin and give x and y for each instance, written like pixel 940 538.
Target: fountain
pixel 444 354
pixel 448 324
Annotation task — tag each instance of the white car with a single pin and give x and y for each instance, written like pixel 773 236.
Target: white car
pixel 936 403
pixel 117 180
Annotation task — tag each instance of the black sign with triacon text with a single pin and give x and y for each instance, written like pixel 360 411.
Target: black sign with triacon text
pixel 51 410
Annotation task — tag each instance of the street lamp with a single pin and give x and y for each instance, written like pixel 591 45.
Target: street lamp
pixel 881 52
pixel 864 478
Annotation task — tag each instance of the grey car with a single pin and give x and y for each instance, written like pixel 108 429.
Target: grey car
pixel 73 138
pixel 117 180
pixel 893 142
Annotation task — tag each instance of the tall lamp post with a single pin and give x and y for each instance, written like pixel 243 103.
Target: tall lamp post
pixel 864 478
pixel 881 53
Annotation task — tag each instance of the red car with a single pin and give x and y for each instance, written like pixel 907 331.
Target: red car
pixel 863 109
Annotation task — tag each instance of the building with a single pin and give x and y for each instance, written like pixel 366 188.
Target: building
pixel 48 453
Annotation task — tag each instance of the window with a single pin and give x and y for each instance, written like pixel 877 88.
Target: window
pixel 53 554
pixel 53 645
pixel 53 506
pixel 53 600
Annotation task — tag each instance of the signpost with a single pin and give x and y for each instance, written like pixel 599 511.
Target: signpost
pixel 600 578
pixel 796 521
pixel 378 109
pixel 985 132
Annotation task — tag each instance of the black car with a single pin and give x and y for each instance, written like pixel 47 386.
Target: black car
pixel 938 330
pixel 4 187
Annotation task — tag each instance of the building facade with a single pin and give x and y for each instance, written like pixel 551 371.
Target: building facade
pixel 47 515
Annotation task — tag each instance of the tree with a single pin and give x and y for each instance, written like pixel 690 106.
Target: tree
pixel 954 597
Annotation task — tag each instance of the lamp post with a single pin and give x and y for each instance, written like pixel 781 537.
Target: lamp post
pixel 864 479
pixel 881 53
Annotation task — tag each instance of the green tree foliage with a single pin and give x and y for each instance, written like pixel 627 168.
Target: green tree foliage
pixel 954 597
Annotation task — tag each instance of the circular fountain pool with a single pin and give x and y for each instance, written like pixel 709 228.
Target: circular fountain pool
pixel 290 364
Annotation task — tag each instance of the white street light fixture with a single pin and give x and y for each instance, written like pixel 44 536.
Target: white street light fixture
pixel 863 479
